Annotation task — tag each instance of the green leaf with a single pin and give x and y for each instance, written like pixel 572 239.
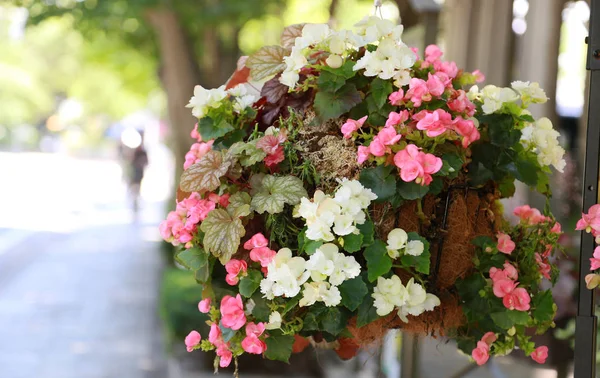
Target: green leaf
pixel 366 312
pixel 422 262
pixel 527 172
pixel 291 304
pixel 452 165
pixel 380 90
pixel 501 129
pixel 482 241
pixel 312 246
pixel 367 230
pixel 353 242
pixel 206 174
pixel 261 310
pixel 193 258
pixel 543 306
pixel 222 234
pixel 479 174
pixel 279 346
pixel 247 153
pixel 509 318
pixel 507 187
pixel 334 320
pixel 412 190
pixel 275 192
pixel 332 105
pixel 378 261
pixel 266 62
pixel 213 129
pixel 346 70
pixel 302 240
pixel 330 82
pixel 227 333
pixel 436 186
pixel 250 283
pixel 202 274
pixel 353 292
pixel 380 181
pixel 239 204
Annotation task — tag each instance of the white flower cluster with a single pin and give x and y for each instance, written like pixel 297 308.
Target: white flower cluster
pixel 493 97
pixel 342 212
pixel 412 299
pixel 392 57
pixel 327 268
pixel 544 141
pixel 204 99
pixel 285 275
pixel 398 244
pixel 530 92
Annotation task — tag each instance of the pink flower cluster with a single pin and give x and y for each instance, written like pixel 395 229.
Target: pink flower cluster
pixel 417 165
pixel 505 243
pixel 215 337
pixel 251 343
pixel 195 134
pixel 482 352
pixel 590 222
pixel 351 126
pixel 540 354
pixel 272 145
pixel 532 216
pixel 196 152
pixel 192 340
pixel 505 287
pixel 180 225
pixel 235 268
pixel 259 252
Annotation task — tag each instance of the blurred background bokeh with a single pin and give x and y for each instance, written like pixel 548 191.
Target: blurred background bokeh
pixel 93 133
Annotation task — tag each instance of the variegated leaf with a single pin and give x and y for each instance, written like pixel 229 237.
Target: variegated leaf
pixel 275 192
pixel 222 234
pixel 266 62
pixel 289 35
pixel 206 174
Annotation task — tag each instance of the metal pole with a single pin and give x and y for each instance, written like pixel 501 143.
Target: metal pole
pixel 410 355
pixel 585 333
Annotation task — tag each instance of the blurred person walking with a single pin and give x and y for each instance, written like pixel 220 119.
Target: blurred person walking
pixel 137 164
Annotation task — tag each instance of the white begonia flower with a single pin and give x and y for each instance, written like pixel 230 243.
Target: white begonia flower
pixel 312 34
pixel 319 265
pixel 542 137
pixel 397 239
pixel 473 93
pixel 243 102
pixel 414 248
pixel 334 61
pixel 319 214
pixel 337 44
pixel 274 321
pixel 310 294
pixel 344 225
pixel 530 92
pixel 203 99
pixel 494 97
pixel 238 91
pixel 418 301
pixel 289 78
pixel 387 61
pixel 331 297
pixel 372 29
pixel 431 302
pixel 402 78
pixel 388 294
pixel 345 268
pixel 285 275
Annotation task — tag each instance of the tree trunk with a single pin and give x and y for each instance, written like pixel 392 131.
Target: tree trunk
pixel 179 73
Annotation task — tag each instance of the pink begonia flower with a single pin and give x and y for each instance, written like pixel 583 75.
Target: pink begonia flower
pixel 417 92
pixel 431 164
pixel 181 224
pixel 408 162
pixel 362 154
pixel 257 241
pixel 234 268
pixel 540 354
pixel 204 305
pixel 543 266
pixel 556 229
pixel 275 158
pixel 256 329
pixel 529 215
pixel 481 354
pixel 479 77
pixel 221 200
pixel 590 222
pixel 433 53
pixel 595 261
pixel 377 148
pixel 489 338
pixel 497 274
pixel 460 103
pixel 196 152
pixel 396 98
pixel 225 355
pixel 518 300
pixel 435 86
pixel 435 123
pixel 416 51
pixel 505 244
pixel 262 255
pixel 232 312
pixel 195 134
pixel 502 288
pixel 191 340
pixel 448 68
pixel 466 129
pixel 352 126
pixel 511 271
pixel 592 281
pixel 386 137
pixel 396 118
pixel 253 345
pixel 215 336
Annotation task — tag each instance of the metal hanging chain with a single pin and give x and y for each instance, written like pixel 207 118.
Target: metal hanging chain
pixel 585 332
pixel 377 4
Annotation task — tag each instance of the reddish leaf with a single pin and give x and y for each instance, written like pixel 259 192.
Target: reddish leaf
pixel 241 74
pixel 348 348
pixel 182 194
pixel 300 343
pixel 273 90
pixel 288 37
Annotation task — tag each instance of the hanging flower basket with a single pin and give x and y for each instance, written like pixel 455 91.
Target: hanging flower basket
pixel 343 185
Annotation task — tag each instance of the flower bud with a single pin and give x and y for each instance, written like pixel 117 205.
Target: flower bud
pixel 334 61
pixel 511 331
pixel 592 281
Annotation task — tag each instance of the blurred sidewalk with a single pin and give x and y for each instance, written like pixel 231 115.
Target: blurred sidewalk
pixel 78 277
